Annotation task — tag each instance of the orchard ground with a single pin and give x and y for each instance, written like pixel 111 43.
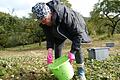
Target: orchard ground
pixel 29 62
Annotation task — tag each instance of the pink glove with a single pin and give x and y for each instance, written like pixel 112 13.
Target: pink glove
pixel 49 56
pixel 71 57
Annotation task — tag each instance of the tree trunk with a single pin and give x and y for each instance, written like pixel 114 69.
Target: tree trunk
pixel 39 41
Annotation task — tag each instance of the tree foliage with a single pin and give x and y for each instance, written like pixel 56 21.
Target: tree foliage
pixel 16 31
pixel 66 2
pixel 107 13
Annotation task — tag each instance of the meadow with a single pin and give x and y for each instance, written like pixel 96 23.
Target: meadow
pixel 29 62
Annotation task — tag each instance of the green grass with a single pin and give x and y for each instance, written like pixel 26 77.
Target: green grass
pixel 33 68
pixel 29 62
pixel 27 47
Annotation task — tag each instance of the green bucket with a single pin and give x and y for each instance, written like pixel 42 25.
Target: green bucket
pixel 61 68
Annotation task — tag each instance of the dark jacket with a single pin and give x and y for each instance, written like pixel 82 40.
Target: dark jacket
pixel 67 24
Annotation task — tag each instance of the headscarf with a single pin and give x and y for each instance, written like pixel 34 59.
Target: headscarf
pixel 40 10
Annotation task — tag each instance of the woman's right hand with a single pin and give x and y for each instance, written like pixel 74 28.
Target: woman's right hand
pixel 50 56
pixel 71 56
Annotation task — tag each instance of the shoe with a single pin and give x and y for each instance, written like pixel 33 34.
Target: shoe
pixel 81 73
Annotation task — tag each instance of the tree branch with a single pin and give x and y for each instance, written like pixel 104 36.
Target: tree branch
pixel 115 16
pixel 109 18
pixel 117 21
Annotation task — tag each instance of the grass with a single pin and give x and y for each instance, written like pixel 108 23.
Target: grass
pixel 27 47
pixel 29 62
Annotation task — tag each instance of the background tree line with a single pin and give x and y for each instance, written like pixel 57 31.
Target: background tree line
pixel 14 31
pixel 105 18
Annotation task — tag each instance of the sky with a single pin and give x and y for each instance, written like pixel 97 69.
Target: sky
pixel 23 7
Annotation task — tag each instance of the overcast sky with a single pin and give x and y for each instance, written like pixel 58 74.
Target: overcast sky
pixel 23 7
